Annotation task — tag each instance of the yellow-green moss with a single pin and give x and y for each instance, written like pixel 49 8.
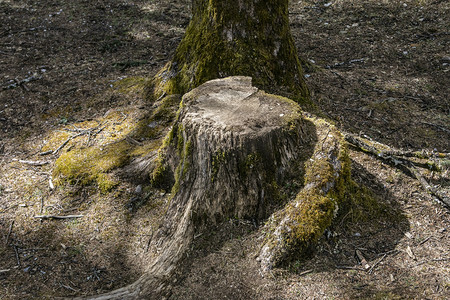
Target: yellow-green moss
pixel 329 197
pixel 305 219
pixel 184 164
pixel 160 119
pixel 91 165
pixel 131 85
pixel 218 159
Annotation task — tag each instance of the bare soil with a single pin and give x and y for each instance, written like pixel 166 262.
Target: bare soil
pixel 376 68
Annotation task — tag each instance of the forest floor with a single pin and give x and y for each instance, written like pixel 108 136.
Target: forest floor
pixel 378 69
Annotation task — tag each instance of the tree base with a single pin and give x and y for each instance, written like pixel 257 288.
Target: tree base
pixel 231 153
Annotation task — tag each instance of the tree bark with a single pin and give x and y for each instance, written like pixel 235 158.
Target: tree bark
pixel 230 150
pixel 236 37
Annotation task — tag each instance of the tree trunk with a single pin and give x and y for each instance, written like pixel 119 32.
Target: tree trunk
pixel 236 37
pixel 230 150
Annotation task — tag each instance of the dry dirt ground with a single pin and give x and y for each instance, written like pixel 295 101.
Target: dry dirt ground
pixel 376 68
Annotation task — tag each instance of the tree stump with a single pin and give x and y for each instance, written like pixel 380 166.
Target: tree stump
pixel 229 154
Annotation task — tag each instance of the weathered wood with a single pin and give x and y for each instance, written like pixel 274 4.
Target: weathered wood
pixel 229 150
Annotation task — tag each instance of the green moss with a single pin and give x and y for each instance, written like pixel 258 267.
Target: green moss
pixel 310 219
pixel 131 85
pixel 161 118
pixel 184 152
pixel 250 162
pixel 91 165
pixel 218 159
pixel 160 174
pixel 305 219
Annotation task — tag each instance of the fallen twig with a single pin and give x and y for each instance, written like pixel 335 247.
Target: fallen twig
pixel 362 259
pixel 349 268
pixel 90 131
pixel 425 240
pixel 46 152
pixel 68 287
pixel 375 264
pixel 305 272
pixel 350 62
pixel 17 255
pixel 66 141
pixel 58 217
pixel 441 127
pixel 34 163
pixel 441 197
pixel 17 83
pixel 4 271
pixel 391 156
pixel 42 205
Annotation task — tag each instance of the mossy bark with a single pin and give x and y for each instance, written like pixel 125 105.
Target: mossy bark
pixel 236 37
pixel 230 149
pixel 292 231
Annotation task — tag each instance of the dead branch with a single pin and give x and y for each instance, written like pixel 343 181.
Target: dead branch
pixel 16 83
pixel 58 217
pixel 305 272
pixel 440 196
pixel 391 156
pixel 66 141
pixel 4 271
pixel 388 151
pixel 376 263
pixel 91 131
pixel 349 268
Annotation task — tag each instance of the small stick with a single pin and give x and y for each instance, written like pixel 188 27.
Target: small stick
pixel 68 287
pixel 425 240
pixel 149 241
pixel 46 152
pixel 9 232
pixel 362 260
pixel 58 217
pixel 4 271
pixel 100 130
pixel 17 255
pixel 375 264
pixel 66 141
pixel 349 268
pixel 42 205
pixel 305 272
pixel 34 163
